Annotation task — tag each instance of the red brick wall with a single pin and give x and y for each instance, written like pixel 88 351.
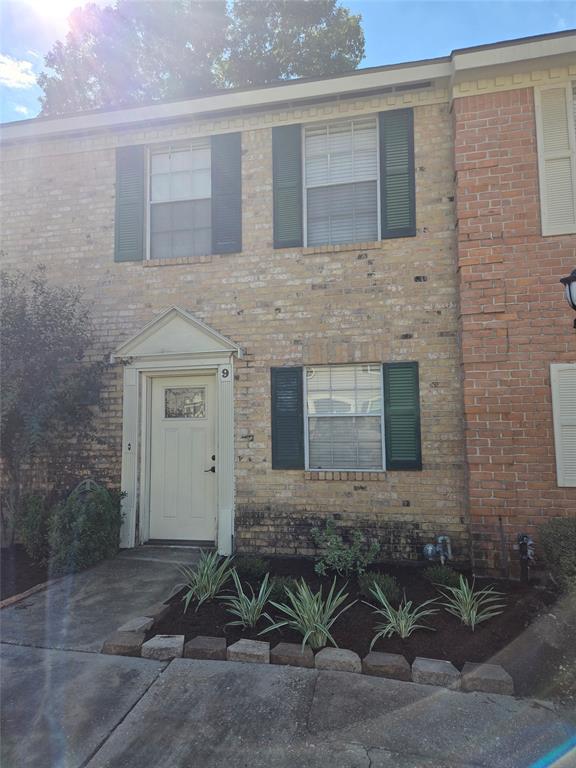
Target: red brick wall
pixel 514 323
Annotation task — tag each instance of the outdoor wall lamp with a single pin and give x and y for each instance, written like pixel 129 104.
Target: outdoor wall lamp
pixel 569 284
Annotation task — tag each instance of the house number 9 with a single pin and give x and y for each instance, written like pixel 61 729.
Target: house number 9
pixel 225 373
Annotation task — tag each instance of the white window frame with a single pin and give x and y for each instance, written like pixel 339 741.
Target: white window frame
pixel 546 229
pixel 199 143
pixel 306 425
pixel 305 186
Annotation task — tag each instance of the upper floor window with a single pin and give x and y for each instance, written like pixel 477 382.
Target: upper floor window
pixel 341 182
pixel 345 181
pixel 556 133
pixel 180 201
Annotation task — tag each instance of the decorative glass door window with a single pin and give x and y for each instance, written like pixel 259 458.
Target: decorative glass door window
pixel 341 182
pixel 185 403
pixel 180 202
pixel 344 417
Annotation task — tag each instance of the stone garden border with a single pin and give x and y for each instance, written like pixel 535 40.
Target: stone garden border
pixel 130 640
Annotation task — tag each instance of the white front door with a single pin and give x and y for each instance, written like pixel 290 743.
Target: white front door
pixel 182 487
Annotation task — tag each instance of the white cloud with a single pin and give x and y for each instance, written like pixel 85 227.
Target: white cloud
pixel 16 73
pixel 21 109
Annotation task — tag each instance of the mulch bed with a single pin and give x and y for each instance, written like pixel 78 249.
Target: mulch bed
pixel 18 572
pixel 355 628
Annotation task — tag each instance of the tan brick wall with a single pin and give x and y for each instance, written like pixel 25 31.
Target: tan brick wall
pixel 515 322
pixel 394 300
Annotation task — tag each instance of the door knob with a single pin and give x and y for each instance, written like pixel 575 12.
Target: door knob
pixel 212 469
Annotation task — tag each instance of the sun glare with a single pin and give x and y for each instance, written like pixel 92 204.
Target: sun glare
pixel 56 10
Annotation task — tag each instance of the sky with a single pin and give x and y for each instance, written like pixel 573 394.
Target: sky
pixel 395 31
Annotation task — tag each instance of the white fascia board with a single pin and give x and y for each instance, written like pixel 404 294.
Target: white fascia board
pixel 513 53
pixel 228 101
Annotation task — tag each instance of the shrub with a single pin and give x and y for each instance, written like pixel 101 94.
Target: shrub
pixel 472 606
pixel 251 568
pixel 206 579
pixel 339 557
pixel 279 584
pixel 309 614
pixel 48 382
pixel 401 621
pixel 84 529
pixel 442 575
pixel 388 585
pixel 558 538
pixel 32 527
pixel 247 608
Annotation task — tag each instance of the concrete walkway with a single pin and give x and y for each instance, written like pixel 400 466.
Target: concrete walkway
pixel 80 611
pixel 66 706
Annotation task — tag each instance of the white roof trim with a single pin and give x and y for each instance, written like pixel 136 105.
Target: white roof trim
pixel 225 101
pixel 460 62
pixel 466 59
pixel 127 347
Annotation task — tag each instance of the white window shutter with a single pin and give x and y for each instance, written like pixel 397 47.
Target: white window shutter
pixel 563 379
pixel 556 158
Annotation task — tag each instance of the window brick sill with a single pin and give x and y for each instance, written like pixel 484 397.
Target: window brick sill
pixel 362 477
pixel 344 248
pixel 177 262
pixel 311 251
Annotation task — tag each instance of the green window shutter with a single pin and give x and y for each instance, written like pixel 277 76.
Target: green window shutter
pixel 227 193
pixel 397 183
pixel 287 418
pixel 287 175
pixel 130 203
pixel 402 416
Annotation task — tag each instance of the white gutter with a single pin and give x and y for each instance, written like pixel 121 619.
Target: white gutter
pixel 231 100
pixel 513 52
pixel 359 82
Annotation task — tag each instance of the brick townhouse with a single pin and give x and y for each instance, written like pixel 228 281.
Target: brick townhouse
pixel 335 297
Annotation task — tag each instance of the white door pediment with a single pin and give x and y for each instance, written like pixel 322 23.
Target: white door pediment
pixel 175 332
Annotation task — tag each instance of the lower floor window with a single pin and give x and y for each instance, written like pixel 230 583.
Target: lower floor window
pixel 344 417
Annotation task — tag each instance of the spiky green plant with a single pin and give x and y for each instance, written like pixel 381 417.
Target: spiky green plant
pixel 206 579
pixel 248 608
pixel 309 614
pixel 401 621
pixel 472 606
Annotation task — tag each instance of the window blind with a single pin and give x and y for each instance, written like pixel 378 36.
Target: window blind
pixel 340 173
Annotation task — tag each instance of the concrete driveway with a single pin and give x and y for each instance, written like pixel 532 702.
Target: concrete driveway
pixel 66 706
